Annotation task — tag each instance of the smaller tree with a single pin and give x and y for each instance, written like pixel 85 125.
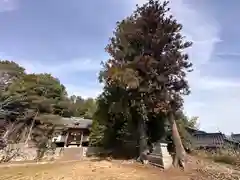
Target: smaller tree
pixel 32 96
pixel 9 71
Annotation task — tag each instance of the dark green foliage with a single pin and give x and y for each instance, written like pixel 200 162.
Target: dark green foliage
pixel 82 107
pixel 157 128
pixel 34 93
pixel 113 126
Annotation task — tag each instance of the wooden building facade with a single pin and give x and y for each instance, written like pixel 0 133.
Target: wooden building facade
pixel 75 133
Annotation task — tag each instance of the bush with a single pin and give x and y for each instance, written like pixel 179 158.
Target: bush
pixel 224 155
pixel 225 159
pixel 227 156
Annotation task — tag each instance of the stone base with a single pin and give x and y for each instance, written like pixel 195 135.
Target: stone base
pixel 160 156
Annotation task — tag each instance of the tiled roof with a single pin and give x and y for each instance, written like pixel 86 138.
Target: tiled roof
pixel 75 122
pixel 194 130
pixel 213 139
pixel 211 134
pixel 236 137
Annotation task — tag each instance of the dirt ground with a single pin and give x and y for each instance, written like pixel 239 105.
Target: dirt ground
pixel 95 169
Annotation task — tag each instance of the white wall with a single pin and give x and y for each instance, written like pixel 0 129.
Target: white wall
pixel 58 138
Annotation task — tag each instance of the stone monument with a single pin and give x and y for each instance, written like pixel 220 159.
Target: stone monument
pixel 160 156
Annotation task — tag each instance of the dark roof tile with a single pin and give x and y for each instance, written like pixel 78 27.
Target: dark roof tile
pixel 75 122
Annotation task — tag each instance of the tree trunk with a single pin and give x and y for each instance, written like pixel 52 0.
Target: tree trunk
pixel 30 130
pixel 12 131
pixel 143 149
pixel 10 135
pixel 180 154
pixel 9 129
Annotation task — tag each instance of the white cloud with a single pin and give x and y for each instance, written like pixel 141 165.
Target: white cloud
pixel 8 5
pixel 218 98
pixel 84 91
pixel 213 84
pixel 68 67
pixel 213 99
pixel 228 54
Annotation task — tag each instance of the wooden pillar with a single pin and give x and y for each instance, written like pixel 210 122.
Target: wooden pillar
pixel 81 139
pixel 66 139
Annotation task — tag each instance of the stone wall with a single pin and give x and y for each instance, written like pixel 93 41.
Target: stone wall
pixel 91 151
pixel 21 152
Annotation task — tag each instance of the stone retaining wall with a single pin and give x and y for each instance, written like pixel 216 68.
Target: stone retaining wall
pixel 91 151
pixel 21 152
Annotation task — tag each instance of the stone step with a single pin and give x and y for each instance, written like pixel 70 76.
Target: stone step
pixel 72 153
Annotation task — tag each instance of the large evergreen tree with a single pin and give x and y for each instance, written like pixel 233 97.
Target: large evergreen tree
pixel 149 63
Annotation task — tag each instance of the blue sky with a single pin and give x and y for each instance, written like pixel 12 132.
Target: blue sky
pixel 67 38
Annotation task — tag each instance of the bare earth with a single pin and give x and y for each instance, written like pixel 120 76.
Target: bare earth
pixel 117 170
